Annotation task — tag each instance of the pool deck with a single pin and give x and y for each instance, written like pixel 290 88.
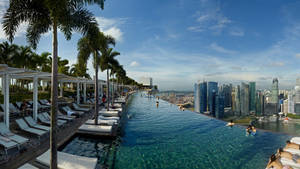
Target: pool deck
pixel 33 150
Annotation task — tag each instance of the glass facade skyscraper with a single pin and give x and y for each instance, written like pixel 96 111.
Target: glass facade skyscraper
pixel 275 91
pixel 211 91
pixel 203 97
pixel 197 98
pixel 219 105
pixel 252 93
pixel 244 99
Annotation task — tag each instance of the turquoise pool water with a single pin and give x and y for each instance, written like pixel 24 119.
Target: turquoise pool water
pixel 166 137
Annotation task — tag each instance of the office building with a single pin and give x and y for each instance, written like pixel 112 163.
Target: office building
pixel 275 92
pixel 220 105
pixel 291 103
pixel 297 91
pixel 252 99
pixel 244 99
pixel 203 97
pixel 260 103
pixel 227 90
pixel 237 101
pixel 212 88
pixel 197 98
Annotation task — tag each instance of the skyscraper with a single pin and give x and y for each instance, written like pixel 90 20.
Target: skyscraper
pixel 233 102
pixel 275 91
pixel 297 91
pixel 197 97
pixel 291 104
pixel 244 99
pixel 260 103
pixel 226 90
pixel 237 101
pixel 203 97
pixel 219 105
pixel 213 104
pixel 212 89
pixel 252 93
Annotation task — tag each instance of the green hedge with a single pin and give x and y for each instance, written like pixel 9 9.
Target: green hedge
pixel 20 96
pixel 293 116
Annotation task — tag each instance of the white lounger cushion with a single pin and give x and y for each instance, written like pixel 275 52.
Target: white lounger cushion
pixel 96 128
pixel 289 162
pixel 296 140
pixel 109 113
pixel 27 166
pixel 109 118
pixel 69 161
pixel 293 151
pixel 104 122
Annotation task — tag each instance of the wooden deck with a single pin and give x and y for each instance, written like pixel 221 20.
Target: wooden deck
pixel 33 150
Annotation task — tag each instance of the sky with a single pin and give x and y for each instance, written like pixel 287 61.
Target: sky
pixel 181 42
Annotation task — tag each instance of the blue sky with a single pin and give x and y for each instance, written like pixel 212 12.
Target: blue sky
pixel 179 42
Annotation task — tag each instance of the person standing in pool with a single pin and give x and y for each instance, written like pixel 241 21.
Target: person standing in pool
pixel 157 104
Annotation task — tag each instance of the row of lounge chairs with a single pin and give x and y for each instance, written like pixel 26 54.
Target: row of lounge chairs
pixel 15 110
pixel 10 140
pixel 107 121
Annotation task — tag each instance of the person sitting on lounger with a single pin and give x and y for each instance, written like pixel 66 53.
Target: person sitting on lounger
pixel 288 155
pixel 274 163
pixel 289 144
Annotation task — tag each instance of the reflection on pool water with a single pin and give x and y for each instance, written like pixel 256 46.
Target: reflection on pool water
pixel 166 137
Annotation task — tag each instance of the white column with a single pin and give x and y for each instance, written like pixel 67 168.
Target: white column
pixel 6 99
pixel 61 89
pixel 35 98
pixel 78 94
pixel 2 85
pixel 84 92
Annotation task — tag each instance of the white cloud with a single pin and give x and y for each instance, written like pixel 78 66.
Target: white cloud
pixel 134 64
pixel 110 26
pixel 196 28
pixel 237 32
pixel 277 64
pixel 297 55
pixel 221 49
pixel 114 32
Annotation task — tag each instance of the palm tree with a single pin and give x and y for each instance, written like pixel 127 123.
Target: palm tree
pixel 77 70
pixel 106 62
pixel 92 44
pixel 7 53
pixel 42 16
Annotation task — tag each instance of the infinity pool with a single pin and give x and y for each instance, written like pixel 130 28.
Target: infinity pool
pixel 166 137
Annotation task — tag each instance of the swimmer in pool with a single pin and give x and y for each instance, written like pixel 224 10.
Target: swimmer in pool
pixel 231 123
pixel 157 103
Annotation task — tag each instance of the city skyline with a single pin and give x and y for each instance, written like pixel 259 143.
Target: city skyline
pixel 179 42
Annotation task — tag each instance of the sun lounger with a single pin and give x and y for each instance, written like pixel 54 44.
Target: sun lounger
pixel 27 166
pixel 289 162
pixel 23 126
pixel 103 122
pixel 64 117
pixel 4 131
pixel 33 124
pixel 7 143
pixel 49 118
pixel 109 113
pixel 108 118
pixel 96 128
pixel 68 161
pixel 71 112
pixel 12 109
pixel 45 102
pixel 45 120
pixel 76 107
pixel 296 140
